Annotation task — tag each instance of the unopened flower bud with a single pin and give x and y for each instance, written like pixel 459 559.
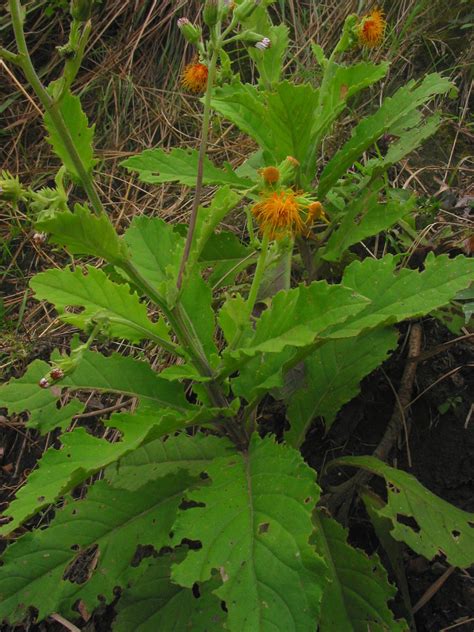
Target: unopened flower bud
pixel 39 238
pixel 43 383
pixel 288 169
pixel 191 32
pixel 56 374
pixel 10 187
pixel 81 9
pixel 211 12
pixel 270 175
pixel 263 44
pixel 245 9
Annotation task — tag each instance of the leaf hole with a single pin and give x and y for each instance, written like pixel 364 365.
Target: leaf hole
pixel 409 521
pixel 455 533
pixel 307 500
pixel 224 606
pixel 393 488
pixel 195 590
pixel 263 527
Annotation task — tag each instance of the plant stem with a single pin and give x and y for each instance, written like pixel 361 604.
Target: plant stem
pixel 51 107
pixel 200 172
pixel 259 270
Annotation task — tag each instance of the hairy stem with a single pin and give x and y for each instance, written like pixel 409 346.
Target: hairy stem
pixel 200 172
pixel 50 106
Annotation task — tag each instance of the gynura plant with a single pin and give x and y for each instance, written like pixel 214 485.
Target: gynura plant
pixel 240 539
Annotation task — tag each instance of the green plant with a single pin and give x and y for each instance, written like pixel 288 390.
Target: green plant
pixel 230 515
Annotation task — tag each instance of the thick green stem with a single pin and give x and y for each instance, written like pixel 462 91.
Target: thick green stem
pixel 258 276
pixel 51 107
pixel 200 173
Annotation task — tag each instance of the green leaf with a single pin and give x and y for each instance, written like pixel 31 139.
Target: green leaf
pixel 153 603
pixel 156 251
pixel 115 521
pixel 356 598
pixel 298 316
pixel 80 456
pixel 24 394
pixel 196 309
pixel 394 110
pixel 332 377
pixel 254 524
pixel 158 458
pixel 181 165
pixel 365 217
pixel 440 527
pixel 84 233
pixel 340 83
pixel 396 296
pixel 228 256
pixel 82 135
pixel 288 114
pixel 233 316
pixel 125 315
pixel 410 140
pixel 209 217
pixel 270 62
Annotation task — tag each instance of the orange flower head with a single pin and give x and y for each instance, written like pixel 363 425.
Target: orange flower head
pixel 371 29
pixel 279 214
pixel 315 211
pixel 270 175
pixel 194 77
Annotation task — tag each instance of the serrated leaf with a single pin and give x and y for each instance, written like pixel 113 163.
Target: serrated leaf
pixel 80 456
pixel 156 251
pixel 24 394
pixel 228 256
pixel 270 62
pixel 116 521
pixel 296 317
pixel 181 165
pixel 196 309
pixel 84 233
pixel 125 375
pixel 332 377
pixel 254 524
pixel 125 315
pixel 441 528
pixel 396 296
pixel 153 603
pixel 365 217
pixel 356 598
pixel 161 457
pixel 82 135
pixel 287 111
pixel 393 110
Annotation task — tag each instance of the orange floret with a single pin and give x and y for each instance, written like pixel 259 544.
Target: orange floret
pixel 194 77
pixel 371 29
pixel 279 215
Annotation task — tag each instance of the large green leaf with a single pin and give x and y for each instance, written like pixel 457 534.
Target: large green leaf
pixel 24 394
pixel 439 528
pixel 356 598
pixel 116 521
pixel 80 456
pixel 393 112
pixel 181 165
pixel 196 311
pixel 151 603
pixel 332 376
pixel 227 256
pixel 287 111
pixel 396 296
pixel 84 233
pixel 161 457
pixel 125 316
pixel 121 374
pixel 254 524
pixel 365 217
pixel 296 317
pixel 156 251
pixel 82 135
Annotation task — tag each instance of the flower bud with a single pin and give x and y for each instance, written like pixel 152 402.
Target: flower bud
pixel 191 32
pixel 211 12
pixel 245 9
pixel 43 383
pixel 39 238
pixel 10 188
pixel 263 44
pixel 81 9
pixel 270 175
pixel 288 169
pixel 56 374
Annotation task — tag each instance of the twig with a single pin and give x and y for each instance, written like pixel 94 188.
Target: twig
pixel 339 499
pixel 432 590
pixel 67 624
